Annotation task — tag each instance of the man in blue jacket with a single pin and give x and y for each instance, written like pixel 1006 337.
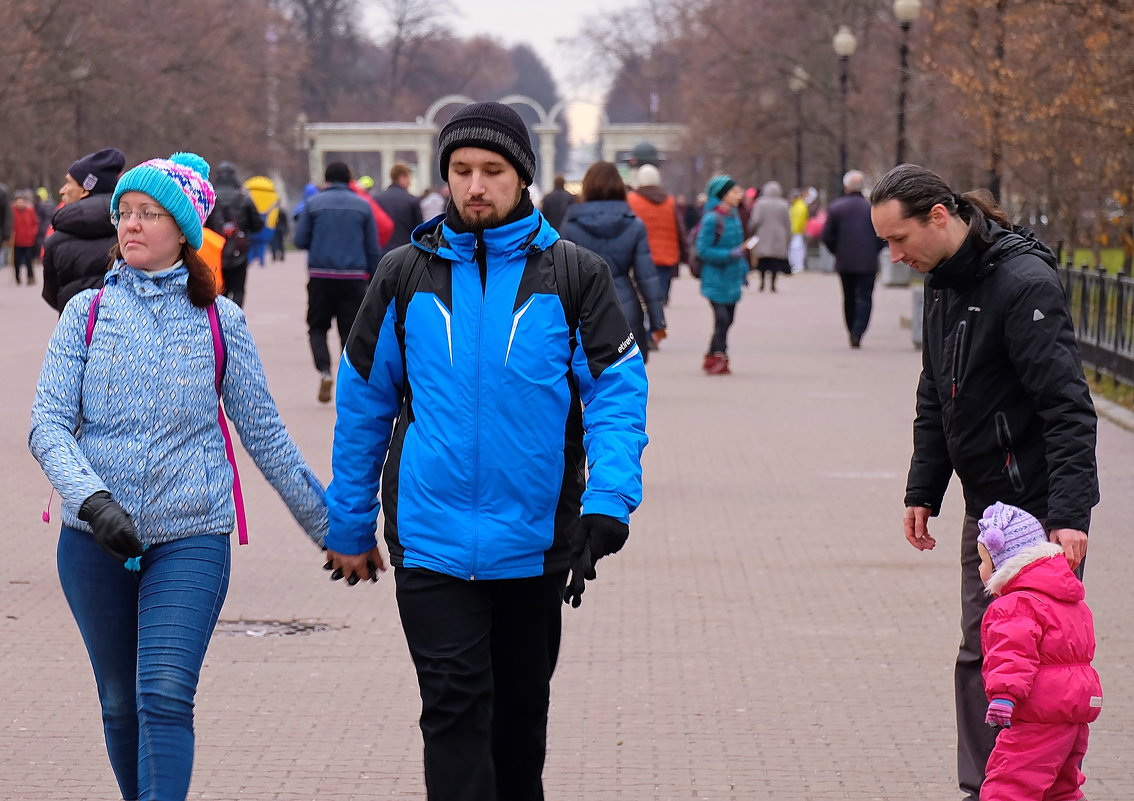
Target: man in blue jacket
pixel 849 235
pixel 336 228
pixel 506 454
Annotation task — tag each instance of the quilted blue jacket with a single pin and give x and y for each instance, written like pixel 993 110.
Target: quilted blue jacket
pixel 136 413
pixel 478 442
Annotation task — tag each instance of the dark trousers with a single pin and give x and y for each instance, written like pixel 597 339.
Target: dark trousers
pixel 234 280
pixel 331 299
pixel 24 257
pixel 665 278
pixel 484 653
pixel 723 315
pixel 858 297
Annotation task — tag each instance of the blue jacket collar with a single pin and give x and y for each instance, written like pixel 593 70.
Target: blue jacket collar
pixel 530 234
pixel 145 283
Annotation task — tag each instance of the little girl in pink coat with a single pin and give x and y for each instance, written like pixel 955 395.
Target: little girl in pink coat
pixel 1038 638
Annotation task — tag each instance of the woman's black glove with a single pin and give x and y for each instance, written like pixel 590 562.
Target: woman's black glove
pixel 112 527
pixel 595 536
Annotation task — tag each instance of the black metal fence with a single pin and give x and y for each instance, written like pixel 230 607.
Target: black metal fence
pixel 1102 306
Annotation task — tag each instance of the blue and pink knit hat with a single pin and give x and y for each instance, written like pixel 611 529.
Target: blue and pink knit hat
pixel 179 184
pixel 1007 531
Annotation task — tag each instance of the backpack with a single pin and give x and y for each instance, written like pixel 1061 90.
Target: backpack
pixel 220 356
pixel 237 243
pixel 695 263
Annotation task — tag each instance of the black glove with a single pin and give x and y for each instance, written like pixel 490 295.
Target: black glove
pixel 595 536
pixel 111 525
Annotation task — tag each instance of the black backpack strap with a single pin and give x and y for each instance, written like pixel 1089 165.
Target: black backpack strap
pixel 410 271
pixel 568 282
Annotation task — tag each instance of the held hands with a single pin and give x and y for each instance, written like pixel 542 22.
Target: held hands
pixel 111 525
pixel 999 715
pixel 916 522
pixel 595 536
pixel 369 565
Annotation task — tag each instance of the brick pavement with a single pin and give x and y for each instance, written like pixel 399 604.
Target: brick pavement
pixel 767 633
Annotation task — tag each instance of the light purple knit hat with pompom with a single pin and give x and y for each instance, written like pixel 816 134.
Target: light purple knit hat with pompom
pixel 179 184
pixel 1007 531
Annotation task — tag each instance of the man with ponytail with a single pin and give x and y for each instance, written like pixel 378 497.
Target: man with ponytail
pixel 1002 400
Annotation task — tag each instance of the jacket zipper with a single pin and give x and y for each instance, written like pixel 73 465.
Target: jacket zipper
pixel 958 353
pixel 481 259
pixel 1004 436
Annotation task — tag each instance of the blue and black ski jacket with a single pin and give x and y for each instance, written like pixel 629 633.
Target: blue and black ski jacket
pixel 473 412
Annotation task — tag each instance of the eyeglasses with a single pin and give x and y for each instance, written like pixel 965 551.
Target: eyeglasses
pixel 147 216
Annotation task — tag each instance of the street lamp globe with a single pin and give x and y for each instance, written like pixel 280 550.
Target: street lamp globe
pixel 907 10
pixel 798 80
pixel 844 42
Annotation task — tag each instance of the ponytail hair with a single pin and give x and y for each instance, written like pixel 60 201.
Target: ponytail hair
pixel 201 285
pixel 918 190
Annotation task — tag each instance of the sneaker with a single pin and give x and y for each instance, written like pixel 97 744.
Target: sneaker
pixel 325 384
pixel 720 365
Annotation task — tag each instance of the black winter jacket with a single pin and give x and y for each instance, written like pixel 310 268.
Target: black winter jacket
pixel 1002 399
pixel 77 255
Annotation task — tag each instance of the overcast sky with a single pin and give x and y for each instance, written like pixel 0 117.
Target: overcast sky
pixel 541 24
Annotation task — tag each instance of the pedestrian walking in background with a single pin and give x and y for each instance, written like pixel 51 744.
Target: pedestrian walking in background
pixel 466 393
pixel 44 210
pixel 720 245
pixel 604 224
pixel 849 235
pixel 279 234
pixel 125 425
pixel 658 212
pixel 25 234
pixel 236 218
pixel 770 223
pixel 76 255
pixel 797 250
pixel 1002 399
pixel 555 205
pixel 1038 638
pixel 404 209
pixel 5 225
pixel 336 227
pixel 433 202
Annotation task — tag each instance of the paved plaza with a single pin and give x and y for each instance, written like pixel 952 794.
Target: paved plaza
pixel 766 635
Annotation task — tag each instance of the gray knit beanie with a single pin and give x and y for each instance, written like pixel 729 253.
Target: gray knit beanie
pixel 492 126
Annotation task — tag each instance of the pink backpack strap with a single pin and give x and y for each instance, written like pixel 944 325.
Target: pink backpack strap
pixel 229 451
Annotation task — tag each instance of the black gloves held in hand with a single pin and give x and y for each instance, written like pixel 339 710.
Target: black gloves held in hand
pixel 111 525
pixel 595 536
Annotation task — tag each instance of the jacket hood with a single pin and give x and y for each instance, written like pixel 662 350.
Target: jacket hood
pixel 603 219
pixel 226 175
pixel 1041 569
pixel 654 194
pixel 87 218
pixel 969 264
pixel 529 234
pixel 771 189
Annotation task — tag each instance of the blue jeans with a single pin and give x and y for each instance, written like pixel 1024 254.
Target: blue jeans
pixel 146 634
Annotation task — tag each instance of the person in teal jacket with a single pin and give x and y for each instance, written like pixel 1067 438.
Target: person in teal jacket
pixel 720 244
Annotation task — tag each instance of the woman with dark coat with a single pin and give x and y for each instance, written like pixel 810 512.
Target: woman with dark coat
pixel 77 254
pixel 604 223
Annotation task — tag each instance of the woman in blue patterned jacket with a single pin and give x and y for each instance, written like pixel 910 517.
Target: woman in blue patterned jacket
pixel 125 425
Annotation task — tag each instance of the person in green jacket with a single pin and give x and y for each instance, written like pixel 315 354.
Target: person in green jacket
pixel 721 246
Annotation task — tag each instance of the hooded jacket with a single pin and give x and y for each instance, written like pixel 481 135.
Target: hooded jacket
pixel 77 255
pixel 611 230
pixel 475 478
pixel 1002 399
pixel 1038 640
pixel 658 211
pixel 135 413
pixel 722 274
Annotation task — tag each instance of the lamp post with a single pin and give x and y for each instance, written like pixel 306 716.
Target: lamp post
pixel 79 76
pixel 906 11
pixel 797 83
pixel 845 44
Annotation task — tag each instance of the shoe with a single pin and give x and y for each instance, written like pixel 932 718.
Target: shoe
pixel 31 280
pixel 709 363
pixel 720 366
pixel 325 384
pixel 855 342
